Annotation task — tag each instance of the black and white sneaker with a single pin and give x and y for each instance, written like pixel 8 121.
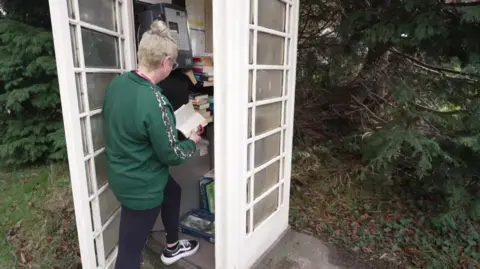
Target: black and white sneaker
pixel 183 249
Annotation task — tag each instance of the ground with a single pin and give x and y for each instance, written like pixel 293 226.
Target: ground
pixel 37 224
pixel 374 222
pixel 365 224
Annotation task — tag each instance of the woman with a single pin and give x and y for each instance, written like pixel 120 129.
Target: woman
pixel 141 144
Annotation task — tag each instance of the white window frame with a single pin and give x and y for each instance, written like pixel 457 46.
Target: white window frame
pixel 66 71
pixel 231 37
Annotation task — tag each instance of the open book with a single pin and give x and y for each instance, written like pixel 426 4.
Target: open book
pixel 188 119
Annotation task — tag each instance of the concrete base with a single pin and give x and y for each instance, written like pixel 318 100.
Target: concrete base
pixel 293 251
pixel 297 251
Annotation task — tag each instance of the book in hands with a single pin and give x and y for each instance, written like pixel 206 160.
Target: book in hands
pixel 189 120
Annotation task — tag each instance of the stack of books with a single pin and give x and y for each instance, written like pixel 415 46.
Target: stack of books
pixel 207 191
pixel 203 70
pixel 203 104
pixel 199 223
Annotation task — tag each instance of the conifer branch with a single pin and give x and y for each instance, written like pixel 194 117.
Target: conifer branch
pixel 436 69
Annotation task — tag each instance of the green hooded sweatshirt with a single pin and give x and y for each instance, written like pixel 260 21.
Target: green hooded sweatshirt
pixel 141 141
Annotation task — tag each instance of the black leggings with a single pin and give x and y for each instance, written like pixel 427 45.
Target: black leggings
pixel 135 226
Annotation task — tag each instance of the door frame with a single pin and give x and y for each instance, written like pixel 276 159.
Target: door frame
pixel 73 132
pixel 230 37
pixel 231 20
pixel 66 70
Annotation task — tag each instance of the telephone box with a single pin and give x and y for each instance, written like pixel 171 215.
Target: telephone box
pixel 254 46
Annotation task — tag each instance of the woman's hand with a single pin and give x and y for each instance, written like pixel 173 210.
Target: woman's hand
pixel 195 137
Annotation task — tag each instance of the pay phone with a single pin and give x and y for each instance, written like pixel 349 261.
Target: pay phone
pixel 175 18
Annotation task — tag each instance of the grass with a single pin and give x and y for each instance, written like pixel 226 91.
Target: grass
pixel 380 222
pixel 377 221
pixel 37 227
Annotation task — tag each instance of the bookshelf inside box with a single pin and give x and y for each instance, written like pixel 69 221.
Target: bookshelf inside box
pixel 189 177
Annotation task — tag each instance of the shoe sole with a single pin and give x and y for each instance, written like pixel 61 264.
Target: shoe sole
pixel 170 261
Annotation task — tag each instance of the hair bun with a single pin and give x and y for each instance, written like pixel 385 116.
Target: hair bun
pixel 160 28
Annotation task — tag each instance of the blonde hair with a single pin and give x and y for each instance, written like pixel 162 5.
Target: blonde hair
pixel 156 44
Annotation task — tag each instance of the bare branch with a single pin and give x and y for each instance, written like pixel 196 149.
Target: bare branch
pixel 451 112
pixel 461 2
pixel 368 109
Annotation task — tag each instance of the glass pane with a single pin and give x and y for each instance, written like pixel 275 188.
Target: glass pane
pixel 83 123
pixel 96 249
pixel 249 133
pixel 282 168
pixel 122 47
pixel 269 84
pixel 250 50
pixel 98 139
pixel 73 39
pixel 252 16
pixel 110 235
pixel 248 222
pixel 89 177
pixel 285 112
pixel 286 83
pixel 288 52
pixel 290 16
pixel 268 117
pixel 284 139
pixel 98 12
pixel 101 169
pixel 80 93
pixel 249 152
pixel 267 149
pixel 265 208
pixel 248 190
pixel 120 21
pixel 108 204
pixel 266 178
pixel 281 193
pixel 100 50
pixel 71 13
pixel 250 85
pixel 269 49
pixel 97 84
pixel 272 14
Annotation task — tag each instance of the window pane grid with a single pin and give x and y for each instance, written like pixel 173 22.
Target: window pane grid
pixel 95 154
pixel 89 26
pixel 275 192
pixel 267 101
pixel 267 67
pixel 265 208
pixel 100 70
pixel 251 206
pixel 98 232
pixel 89 105
pixel 266 164
pixel 269 31
pixel 91 113
pixel 98 192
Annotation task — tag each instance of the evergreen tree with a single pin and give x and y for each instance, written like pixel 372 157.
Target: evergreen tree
pixel 409 70
pixel 30 111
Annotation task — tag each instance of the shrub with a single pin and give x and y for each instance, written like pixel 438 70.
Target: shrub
pixel 30 110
